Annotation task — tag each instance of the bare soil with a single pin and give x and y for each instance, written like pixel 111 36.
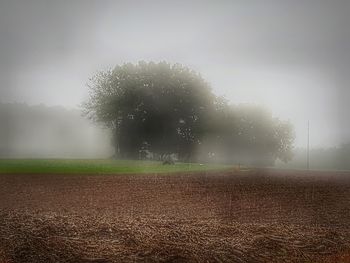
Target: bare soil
pixel 256 216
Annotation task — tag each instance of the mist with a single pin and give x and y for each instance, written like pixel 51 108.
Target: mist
pixel 50 132
pixel 290 57
pixel 174 131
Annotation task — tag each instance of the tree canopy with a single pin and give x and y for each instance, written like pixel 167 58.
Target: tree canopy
pixel 167 109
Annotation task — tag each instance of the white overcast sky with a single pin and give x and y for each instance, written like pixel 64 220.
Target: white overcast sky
pixel 291 56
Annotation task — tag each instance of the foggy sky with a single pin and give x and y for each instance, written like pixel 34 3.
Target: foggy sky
pixel 291 56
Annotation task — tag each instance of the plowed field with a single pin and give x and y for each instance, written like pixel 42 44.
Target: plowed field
pixel 255 216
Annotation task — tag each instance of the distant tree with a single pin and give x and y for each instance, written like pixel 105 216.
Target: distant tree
pixel 158 104
pixel 262 137
pixel 250 135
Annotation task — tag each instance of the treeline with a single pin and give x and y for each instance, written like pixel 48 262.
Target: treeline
pixel 334 158
pixel 49 132
pixel 170 109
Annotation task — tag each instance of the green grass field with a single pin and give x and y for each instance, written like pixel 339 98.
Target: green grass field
pixel 89 166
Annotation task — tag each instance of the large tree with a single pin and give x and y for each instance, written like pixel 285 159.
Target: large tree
pixel 170 109
pixel 155 105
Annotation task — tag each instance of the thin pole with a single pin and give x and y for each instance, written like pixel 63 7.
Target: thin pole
pixel 308 145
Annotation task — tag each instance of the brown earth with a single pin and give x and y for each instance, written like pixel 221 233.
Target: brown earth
pixel 258 216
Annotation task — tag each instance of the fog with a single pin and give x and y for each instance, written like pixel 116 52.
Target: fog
pixel 50 132
pixel 289 56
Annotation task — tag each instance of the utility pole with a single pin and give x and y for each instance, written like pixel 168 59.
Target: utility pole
pixel 308 146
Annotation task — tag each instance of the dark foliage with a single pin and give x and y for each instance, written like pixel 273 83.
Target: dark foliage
pixel 168 109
